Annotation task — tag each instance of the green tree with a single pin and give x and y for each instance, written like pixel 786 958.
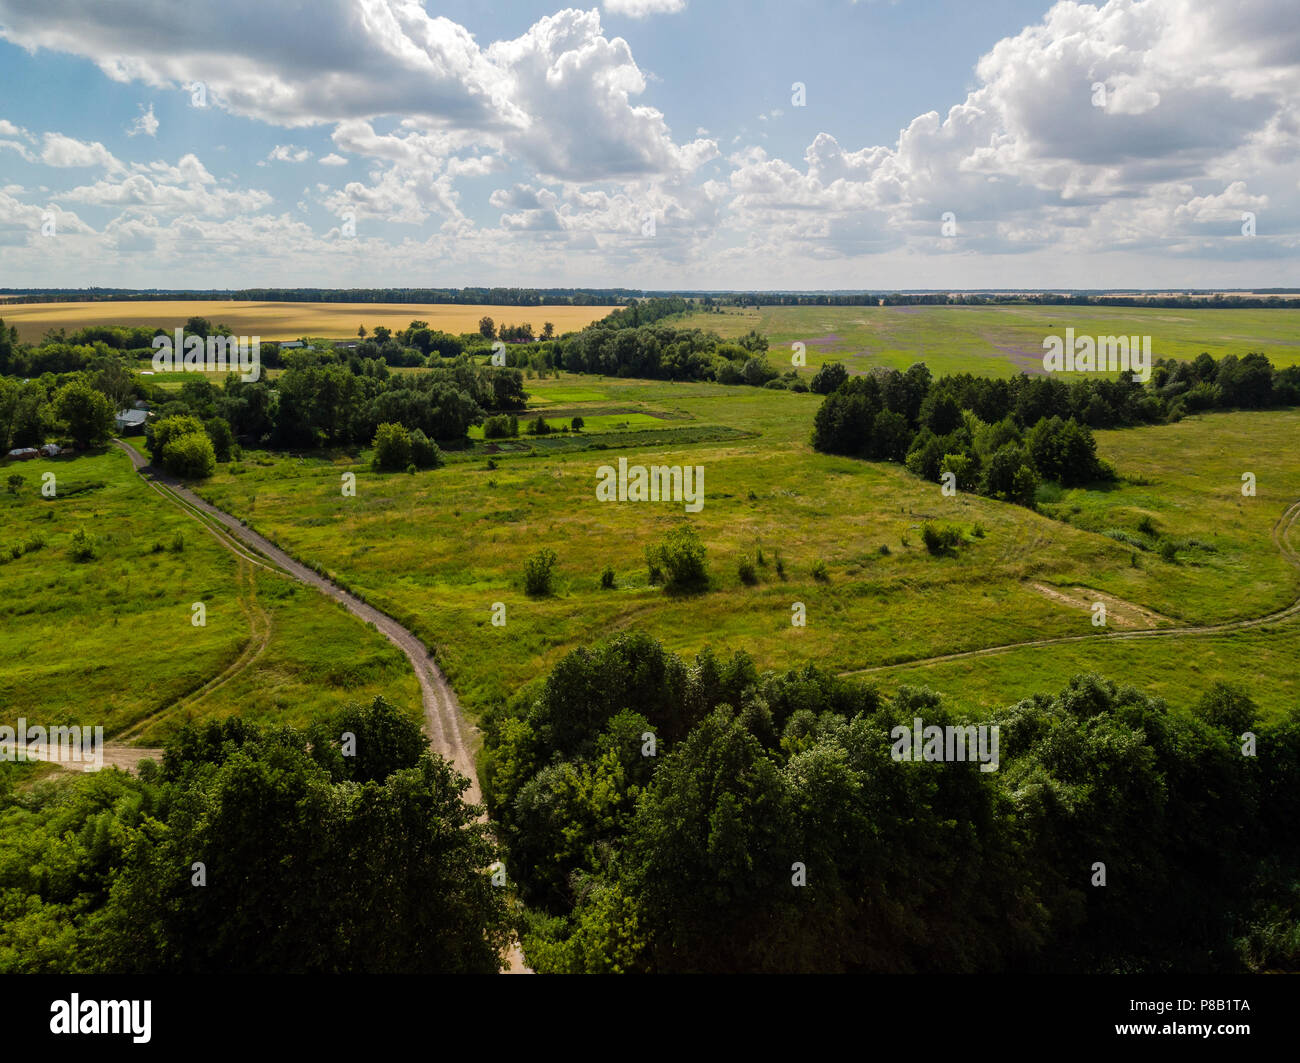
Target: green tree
pixel 190 456
pixel 85 412
pixel 392 447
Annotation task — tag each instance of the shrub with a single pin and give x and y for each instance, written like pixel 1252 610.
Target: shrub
pixel 537 573
pixel 178 543
pixel 829 377
pixel 940 538
pixel 190 456
pixel 83 547
pixel 746 571
pixel 607 578
pixel 14 482
pixel 680 557
pixel 424 451
pixel 1146 527
pixel 1168 550
pixel 392 445
pixel 538 426
pixel 502 426
pixel 820 573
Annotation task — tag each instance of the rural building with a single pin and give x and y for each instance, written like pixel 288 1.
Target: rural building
pixel 23 453
pixel 129 422
pixel 50 450
pixel 292 345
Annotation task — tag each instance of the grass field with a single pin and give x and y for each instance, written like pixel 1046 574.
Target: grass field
pixel 999 340
pixel 438 549
pixel 109 641
pixel 287 321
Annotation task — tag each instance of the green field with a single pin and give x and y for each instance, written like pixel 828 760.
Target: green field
pixel 109 641
pixel 437 549
pixel 998 340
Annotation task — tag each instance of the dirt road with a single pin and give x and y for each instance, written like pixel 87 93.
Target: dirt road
pixel 442 716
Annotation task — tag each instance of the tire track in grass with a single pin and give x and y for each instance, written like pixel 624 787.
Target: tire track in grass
pixel 1281 534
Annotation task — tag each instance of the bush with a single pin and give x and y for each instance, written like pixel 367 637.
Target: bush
pixel 178 543
pixel 820 573
pixel 940 538
pixel 680 557
pixel 14 482
pixel 607 578
pixel 1168 550
pixel 160 433
pixel 424 451
pixel 502 426
pixel 537 573
pixel 829 377
pixel 746 571
pixel 83 547
pixel 190 456
pixel 538 426
pixel 1146 527
pixel 392 445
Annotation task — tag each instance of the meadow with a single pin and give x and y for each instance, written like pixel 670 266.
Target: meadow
pixel 998 340
pixel 109 640
pixel 289 321
pixel 438 549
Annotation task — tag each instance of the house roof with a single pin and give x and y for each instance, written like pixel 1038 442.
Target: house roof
pixel 133 416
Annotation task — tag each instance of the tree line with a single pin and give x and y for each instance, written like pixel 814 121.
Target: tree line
pixel 254 850
pixel 670 815
pixel 1003 438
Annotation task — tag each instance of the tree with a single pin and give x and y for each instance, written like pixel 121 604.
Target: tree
pixel 829 377
pixel 577 424
pixel 392 447
pixel 424 452
pixel 190 456
pixel 86 412
pixel 487 328
pixel 548 330
pixel 163 431
pixel 223 440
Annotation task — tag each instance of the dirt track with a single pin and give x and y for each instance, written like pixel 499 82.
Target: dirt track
pixel 1281 531
pixel 441 709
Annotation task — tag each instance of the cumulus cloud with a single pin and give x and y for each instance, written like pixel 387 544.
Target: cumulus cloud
pixel 64 151
pixel 288 153
pixel 147 124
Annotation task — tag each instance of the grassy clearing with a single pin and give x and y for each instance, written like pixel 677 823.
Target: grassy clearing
pixel 287 321
pixel 438 549
pixel 999 340
pixel 110 640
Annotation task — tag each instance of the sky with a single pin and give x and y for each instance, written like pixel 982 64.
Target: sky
pixel 650 144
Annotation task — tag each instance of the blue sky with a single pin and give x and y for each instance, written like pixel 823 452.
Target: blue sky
pixel 650 143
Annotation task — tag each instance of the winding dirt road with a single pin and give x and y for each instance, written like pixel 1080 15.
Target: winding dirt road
pixel 442 717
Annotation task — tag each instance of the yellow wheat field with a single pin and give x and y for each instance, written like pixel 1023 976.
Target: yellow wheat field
pixel 287 321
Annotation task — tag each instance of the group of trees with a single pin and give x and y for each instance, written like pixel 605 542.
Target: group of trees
pixel 931 427
pixel 1003 437
pixel 659 815
pixel 312 860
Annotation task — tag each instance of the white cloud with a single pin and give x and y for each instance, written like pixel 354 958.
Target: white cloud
pixel 64 151
pixel 332 160
pixel 147 124
pixel 642 8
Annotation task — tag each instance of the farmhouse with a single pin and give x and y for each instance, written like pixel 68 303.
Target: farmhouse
pixel 130 422
pixel 22 453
